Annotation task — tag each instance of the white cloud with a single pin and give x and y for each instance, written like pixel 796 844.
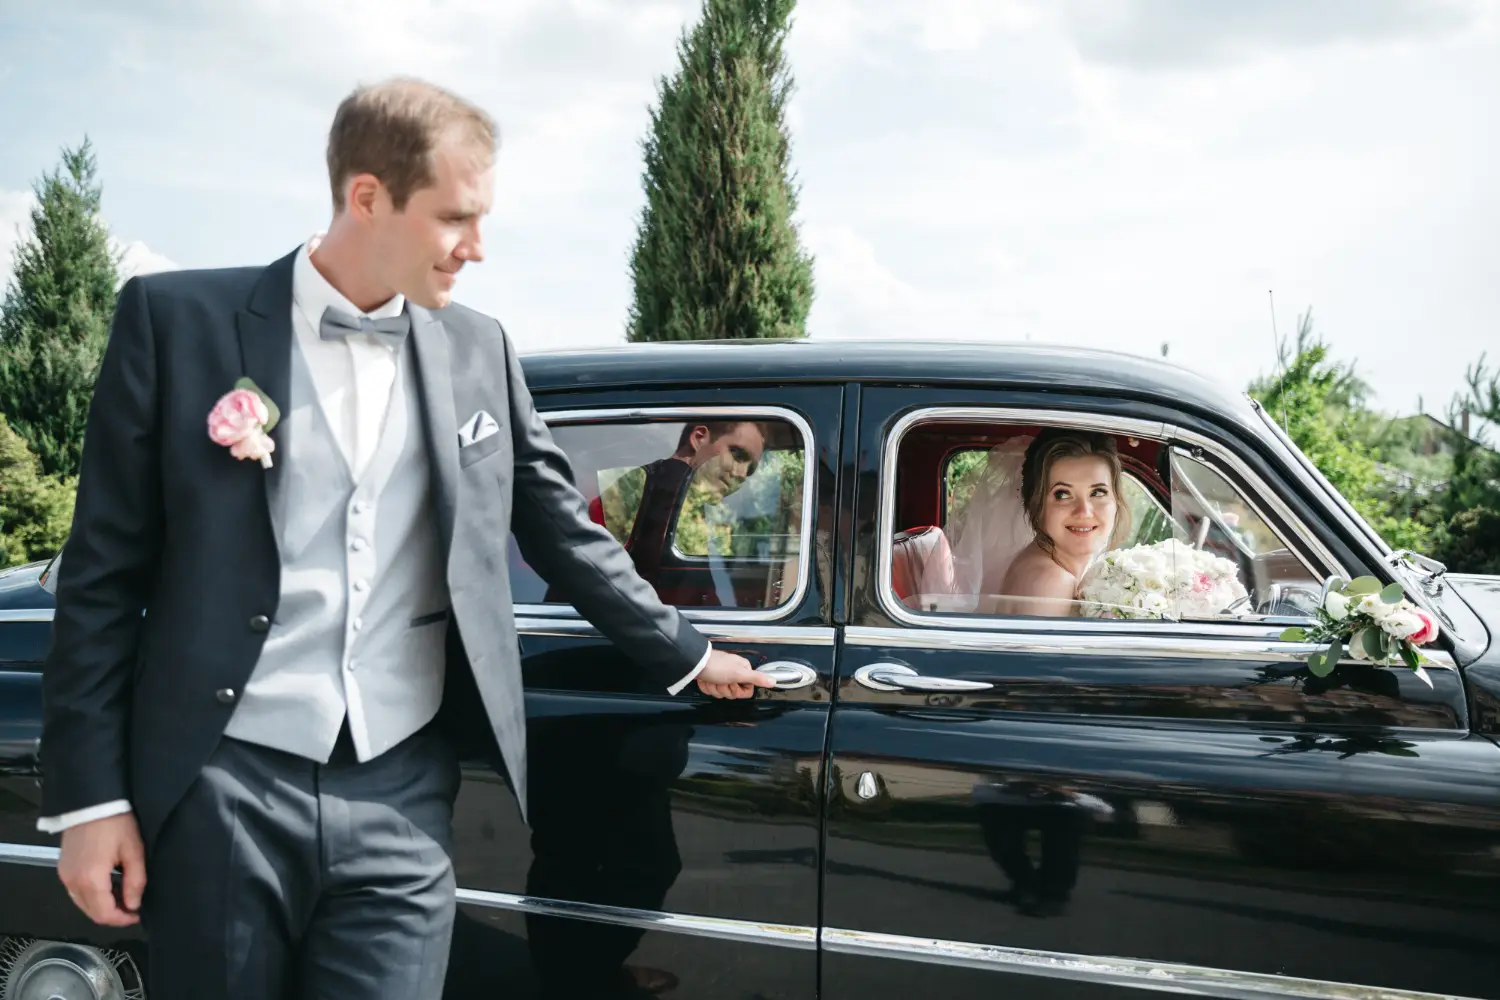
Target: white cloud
pixel 15 223
pixel 15 228
pixel 137 258
pixel 1116 175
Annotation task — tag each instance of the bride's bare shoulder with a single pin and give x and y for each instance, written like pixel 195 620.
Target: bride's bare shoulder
pixel 1035 574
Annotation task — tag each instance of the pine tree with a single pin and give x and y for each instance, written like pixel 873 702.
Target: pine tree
pixel 55 318
pixel 717 254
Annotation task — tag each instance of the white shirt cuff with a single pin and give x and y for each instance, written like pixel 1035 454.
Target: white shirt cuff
pixel 696 671
pixel 104 810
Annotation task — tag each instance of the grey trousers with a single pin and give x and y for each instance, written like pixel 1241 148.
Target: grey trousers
pixel 277 877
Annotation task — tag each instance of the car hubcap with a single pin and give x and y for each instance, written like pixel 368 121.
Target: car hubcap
pixel 45 970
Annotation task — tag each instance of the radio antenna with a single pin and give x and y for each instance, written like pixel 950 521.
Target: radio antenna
pixel 1280 359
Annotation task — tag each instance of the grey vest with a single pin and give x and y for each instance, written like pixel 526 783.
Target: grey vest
pixel 362 620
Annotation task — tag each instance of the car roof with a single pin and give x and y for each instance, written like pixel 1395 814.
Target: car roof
pixel 995 365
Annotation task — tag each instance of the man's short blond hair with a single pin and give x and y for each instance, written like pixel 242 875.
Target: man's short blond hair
pixel 390 130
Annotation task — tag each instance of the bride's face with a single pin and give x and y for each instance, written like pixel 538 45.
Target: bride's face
pixel 1079 511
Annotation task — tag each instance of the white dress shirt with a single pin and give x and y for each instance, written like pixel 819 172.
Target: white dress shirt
pixel 353 377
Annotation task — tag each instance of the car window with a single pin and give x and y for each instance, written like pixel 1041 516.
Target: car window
pixel 1213 515
pixel 710 509
pixel 1115 526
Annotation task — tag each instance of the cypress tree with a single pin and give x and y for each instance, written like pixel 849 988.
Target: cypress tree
pixel 717 254
pixel 54 321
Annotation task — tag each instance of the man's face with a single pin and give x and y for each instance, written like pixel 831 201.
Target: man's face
pixel 724 462
pixel 420 249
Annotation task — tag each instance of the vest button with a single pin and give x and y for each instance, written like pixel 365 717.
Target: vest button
pixel 225 695
pixel 260 623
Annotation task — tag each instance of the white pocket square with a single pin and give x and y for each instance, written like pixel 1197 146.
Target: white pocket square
pixel 478 427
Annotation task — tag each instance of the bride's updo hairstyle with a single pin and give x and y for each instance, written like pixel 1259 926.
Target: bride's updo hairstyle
pixel 1053 445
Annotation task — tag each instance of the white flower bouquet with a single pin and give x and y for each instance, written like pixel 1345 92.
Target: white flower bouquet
pixel 1375 625
pixel 1167 579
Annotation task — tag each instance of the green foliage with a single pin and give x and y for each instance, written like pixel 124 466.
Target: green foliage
pixel 1475 479
pixel 717 255
pixel 55 319
pixel 1323 405
pixel 36 510
pixel 1472 542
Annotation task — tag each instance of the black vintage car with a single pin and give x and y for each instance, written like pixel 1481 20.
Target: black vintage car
pixel 942 797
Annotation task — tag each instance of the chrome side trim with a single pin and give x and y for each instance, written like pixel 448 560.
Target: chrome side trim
pixel 1154 429
pixel 809 502
pixel 1138 646
pixel 26 615
pixel 34 855
pixel 775 935
pixel 720 929
pixel 1131 973
pixel 778 635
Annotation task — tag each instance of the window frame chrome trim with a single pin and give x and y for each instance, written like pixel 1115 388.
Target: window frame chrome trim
pixel 765 635
pixel 1157 430
pixel 1224 646
pixel 1315 474
pixel 617 414
pixel 1130 973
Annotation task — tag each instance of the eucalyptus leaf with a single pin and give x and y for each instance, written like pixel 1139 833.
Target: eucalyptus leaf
pixel 1294 634
pixel 1393 594
pixel 1321 664
pixel 1370 638
pixel 1360 586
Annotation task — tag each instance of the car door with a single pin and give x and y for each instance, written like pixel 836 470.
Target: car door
pixel 1078 807
pixel 673 840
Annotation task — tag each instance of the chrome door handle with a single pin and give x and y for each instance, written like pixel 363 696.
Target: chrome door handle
pixel 900 677
pixel 788 675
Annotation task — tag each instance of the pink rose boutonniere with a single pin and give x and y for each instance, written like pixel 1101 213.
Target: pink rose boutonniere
pixel 242 420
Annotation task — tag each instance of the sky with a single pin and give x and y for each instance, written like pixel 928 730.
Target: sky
pixel 1121 174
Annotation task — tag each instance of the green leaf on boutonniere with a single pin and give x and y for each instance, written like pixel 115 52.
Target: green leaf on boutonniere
pixel 1410 655
pixel 1362 586
pixel 1294 635
pixel 271 408
pixel 1393 594
pixel 1371 637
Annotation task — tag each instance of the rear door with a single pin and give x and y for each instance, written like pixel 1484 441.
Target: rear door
pixel 1073 807
pixel 673 841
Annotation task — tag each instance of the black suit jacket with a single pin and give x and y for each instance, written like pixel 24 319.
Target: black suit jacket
pixel 170 524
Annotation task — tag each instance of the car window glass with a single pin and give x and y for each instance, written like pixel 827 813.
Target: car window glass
pixel 1215 517
pixel 1113 527
pixel 710 511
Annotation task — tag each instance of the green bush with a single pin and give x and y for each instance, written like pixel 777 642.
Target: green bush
pixel 36 510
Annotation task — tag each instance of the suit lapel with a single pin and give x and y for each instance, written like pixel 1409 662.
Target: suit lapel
pixel 429 339
pixel 265 331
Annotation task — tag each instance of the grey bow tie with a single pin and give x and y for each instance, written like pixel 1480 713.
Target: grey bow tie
pixel 337 324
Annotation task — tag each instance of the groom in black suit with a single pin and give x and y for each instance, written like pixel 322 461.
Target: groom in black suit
pixel 256 633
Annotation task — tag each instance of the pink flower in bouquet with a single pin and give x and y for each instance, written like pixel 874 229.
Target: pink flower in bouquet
pixel 1427 633
pixel 238 421
pixel 1202 583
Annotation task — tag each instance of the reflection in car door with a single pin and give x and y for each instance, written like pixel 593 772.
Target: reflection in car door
pixel 1060 810
pixel 673 841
